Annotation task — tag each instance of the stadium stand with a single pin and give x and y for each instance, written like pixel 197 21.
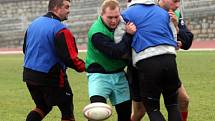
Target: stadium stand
pixel 16 15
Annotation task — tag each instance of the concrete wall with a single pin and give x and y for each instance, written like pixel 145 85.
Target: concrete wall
pixel 200 16
pixel 16 15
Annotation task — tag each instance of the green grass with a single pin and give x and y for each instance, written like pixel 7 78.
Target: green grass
pixel 197 71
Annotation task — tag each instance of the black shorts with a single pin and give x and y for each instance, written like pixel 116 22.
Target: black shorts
pixel 134 83
pixel 47 96
pixel 158 75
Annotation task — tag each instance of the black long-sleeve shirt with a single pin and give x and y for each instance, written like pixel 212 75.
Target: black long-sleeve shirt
pixel 110 48
pixel 184 35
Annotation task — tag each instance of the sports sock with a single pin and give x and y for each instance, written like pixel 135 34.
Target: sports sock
pixel 173 113
pixel 184 116
pixel 33 116
pixel 156 116
pixel 124 111
pixel 97 98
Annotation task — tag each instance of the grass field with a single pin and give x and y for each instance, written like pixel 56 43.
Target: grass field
pixel 197 71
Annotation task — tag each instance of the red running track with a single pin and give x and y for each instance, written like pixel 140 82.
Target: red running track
pixel 197 45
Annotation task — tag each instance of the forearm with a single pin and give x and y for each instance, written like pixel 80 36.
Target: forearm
pixel 67 50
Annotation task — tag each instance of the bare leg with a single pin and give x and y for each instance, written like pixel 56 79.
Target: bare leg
pixel 183 100
pixel 138 111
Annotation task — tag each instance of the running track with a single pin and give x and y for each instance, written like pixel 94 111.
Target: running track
pixel 197 45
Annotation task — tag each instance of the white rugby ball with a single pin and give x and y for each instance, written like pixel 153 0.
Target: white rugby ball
pixel 97 111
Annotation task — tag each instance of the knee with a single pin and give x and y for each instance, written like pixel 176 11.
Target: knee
pixel 138 114
pixel 183 99
pixel 141 114
pixel 141 111
pixel 184 102
pixel 151 105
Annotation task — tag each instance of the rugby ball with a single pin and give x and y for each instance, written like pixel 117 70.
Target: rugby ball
pixel 97 111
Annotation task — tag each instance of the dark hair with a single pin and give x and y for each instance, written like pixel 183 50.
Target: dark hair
pixel 129 1
pixel 55 3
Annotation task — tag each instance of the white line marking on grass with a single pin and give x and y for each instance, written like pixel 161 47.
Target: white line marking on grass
pixel 10 52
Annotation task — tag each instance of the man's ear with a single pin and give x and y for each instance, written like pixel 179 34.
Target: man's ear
pixel 55 9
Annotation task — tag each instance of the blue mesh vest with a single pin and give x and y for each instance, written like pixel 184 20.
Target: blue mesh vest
pixel 152 24
pixel 40 52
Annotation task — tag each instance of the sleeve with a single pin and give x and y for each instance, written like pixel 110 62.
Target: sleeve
pixel 67 50
pixel 111 49
pixel 184 35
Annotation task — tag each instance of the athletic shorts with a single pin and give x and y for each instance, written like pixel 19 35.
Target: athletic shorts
pixel 158 75
pixel 112 86
pixel 47 96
